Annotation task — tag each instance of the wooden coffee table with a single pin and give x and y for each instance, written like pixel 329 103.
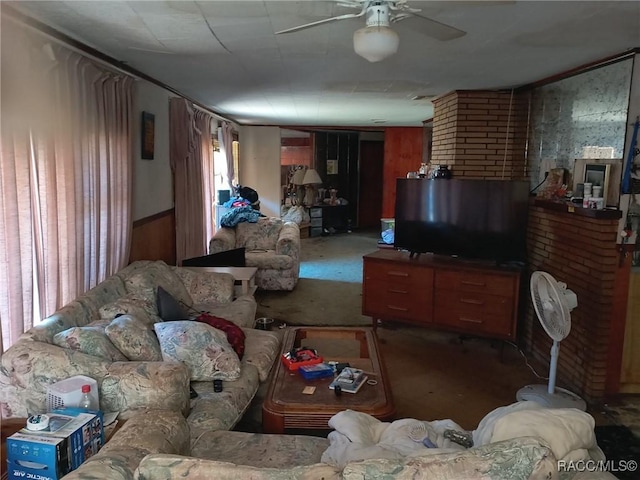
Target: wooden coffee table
pixel 286 407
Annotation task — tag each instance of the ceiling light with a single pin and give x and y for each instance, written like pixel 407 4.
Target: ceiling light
pixel 376 41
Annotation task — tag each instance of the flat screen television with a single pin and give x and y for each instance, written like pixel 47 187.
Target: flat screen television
pixel 466 218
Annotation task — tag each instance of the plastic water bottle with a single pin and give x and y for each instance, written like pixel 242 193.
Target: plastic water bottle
pixel 87 402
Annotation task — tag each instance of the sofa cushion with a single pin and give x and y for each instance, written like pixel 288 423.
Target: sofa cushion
pixel 169 309
pixel 242 311
pixel 259 450
pixel 265 259
pixel 144 283
pixel 261 235
pixel 261 349
pixel 163 466
pixel 90 340
pixel 207 287
pixel 204 349
pixel 212 411
pixel 128 387
pixel 131 304
pixel 134 338
pixel 524 458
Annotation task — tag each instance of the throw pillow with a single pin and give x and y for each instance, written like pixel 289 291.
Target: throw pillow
pixel 135 339
pixel 235 335
pixel 169 308
pixel 89 340
pixel 202 348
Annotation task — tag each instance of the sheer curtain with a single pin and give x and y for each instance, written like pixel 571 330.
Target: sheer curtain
pixel 191 152
pixel 65 176
pixel 227 147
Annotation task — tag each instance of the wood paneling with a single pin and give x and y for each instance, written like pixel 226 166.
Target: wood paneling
pixel 370 202
pixel 630 372
pixel 402 154
pixel 154 238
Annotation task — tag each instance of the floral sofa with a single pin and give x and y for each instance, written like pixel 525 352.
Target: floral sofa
pixel 271 245
pixel 108 334
pixel 156 446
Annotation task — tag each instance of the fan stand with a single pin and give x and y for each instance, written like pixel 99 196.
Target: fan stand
pixel 551 396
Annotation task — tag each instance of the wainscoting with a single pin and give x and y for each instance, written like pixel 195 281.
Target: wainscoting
pixel 154 238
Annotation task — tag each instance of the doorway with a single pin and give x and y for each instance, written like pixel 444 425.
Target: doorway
pixel 370 180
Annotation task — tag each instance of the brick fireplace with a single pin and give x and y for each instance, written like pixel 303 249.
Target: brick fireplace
pixel 483 134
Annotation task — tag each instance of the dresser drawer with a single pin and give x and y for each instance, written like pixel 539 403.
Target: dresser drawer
pixel 492 284
pixel 395 306
pixel 315 212
pixel 489 314
pixel 399 274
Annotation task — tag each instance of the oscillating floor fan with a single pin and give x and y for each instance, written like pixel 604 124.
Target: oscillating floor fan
pixel 553 303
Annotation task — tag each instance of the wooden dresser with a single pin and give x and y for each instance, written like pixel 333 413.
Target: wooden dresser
pixel 467 297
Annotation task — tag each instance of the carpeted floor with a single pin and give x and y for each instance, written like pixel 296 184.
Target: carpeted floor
pixel 329 291
pixel 622 449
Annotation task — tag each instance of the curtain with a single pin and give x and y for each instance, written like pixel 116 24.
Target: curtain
pixel 65 175
pixel 191 157
pixel 227 147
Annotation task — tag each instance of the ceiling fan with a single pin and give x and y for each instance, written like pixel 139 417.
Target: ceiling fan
pixel 376 41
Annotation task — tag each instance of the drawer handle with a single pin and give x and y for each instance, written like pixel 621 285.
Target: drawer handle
pixel 473 284
pixel 398 274
pixel 400 309
pixel 398 291
pixel 472 301
pixel 471 320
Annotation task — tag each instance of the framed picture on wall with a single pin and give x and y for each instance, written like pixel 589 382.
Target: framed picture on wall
pixel 332 167
pixel 148 136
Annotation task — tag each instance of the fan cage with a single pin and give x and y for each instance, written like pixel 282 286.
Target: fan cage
pixel 545 290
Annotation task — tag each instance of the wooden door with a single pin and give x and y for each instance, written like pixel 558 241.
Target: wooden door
pixel 370 200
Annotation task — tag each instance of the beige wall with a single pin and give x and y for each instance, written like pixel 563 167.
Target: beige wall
pixel 260 165
pixel 153 181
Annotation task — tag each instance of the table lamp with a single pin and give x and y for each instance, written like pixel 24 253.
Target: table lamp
pixel 311 181
pixel 298 181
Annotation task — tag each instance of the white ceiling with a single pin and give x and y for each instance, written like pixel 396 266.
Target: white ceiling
pixel 225 55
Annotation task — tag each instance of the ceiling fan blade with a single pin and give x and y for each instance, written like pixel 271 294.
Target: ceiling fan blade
pixel 433 28
pixel 320 22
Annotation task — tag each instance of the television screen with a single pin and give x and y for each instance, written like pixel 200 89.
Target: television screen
pixel 473 219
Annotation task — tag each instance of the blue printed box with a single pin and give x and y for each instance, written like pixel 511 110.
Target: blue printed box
pixel 73 436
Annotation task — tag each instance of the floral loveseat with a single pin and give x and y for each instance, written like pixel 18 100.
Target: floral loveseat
pixel 271 245
pixel 81 339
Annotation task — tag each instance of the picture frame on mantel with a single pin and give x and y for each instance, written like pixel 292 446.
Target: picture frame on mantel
pixel 147 140
pixel 595 169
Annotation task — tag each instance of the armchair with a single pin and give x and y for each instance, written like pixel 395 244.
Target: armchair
pixel 271 245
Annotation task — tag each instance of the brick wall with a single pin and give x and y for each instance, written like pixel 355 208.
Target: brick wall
pixel 581 252
pixel 481 134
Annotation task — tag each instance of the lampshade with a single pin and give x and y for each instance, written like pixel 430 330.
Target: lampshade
pixel 375 43
pixel 298 177
pixel 311 177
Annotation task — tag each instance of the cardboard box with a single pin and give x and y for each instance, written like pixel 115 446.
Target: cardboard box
pixel 73 436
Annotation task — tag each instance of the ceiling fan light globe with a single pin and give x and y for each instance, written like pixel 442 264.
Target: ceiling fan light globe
pixel 375 43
